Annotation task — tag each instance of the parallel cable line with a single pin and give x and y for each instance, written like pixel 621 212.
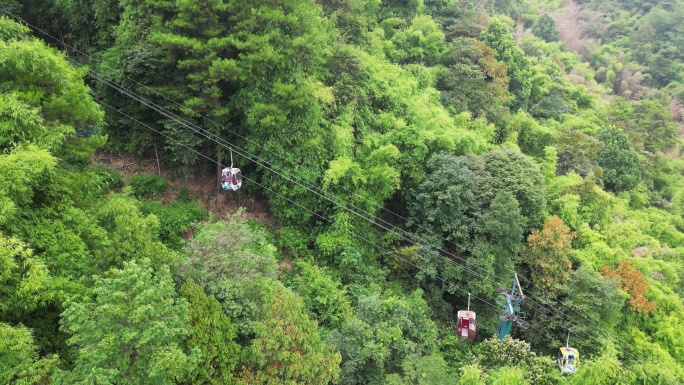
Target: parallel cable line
pixel 257 160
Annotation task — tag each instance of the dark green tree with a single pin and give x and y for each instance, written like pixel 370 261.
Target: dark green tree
pixel 665 69
pixel 405 9
pixel 445 201
pixel 287 348
pixel 280 50
pixel 545 28
pixel 647 123
pixel 576 151
pixel 85 25
pixel 588 288
pixel 473 80
pixel 509 170
pixel 213 335
pixel 384 333
pixel 196 37
pixel 228 250
pixel 595 297
pixel 501 226
pixel 137 64
pixel 618 159
pixel 231 261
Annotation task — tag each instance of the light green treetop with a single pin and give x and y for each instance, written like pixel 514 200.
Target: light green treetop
pixel 130 331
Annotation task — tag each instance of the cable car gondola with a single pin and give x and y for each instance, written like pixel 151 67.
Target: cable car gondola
pixel 231 177
pixel 467 323
pixel 568 358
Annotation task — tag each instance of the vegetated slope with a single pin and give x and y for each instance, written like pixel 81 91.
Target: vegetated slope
pixel 488 156
pixel 569 24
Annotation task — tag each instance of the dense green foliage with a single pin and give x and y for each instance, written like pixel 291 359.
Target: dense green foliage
pixel 650 31
pixel 545 28
pixel 412 154
pixel 129 333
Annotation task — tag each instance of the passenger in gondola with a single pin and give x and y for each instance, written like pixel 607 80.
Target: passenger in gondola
pixel 231 179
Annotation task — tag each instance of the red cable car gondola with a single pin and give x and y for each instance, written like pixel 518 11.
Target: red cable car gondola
pixel 467 323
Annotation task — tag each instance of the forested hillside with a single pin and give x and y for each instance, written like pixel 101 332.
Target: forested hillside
pixel 415 156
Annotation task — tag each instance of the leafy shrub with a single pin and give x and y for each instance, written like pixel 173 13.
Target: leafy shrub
pixel 77 151
pixel 322 295
pixel 110 179
pixel 146 185
pixel 174 219
pixel 184 195
pixel 91 183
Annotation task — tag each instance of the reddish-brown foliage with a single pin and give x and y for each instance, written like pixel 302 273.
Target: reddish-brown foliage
pixel 495 72
pixel 633 282
pixel 547 253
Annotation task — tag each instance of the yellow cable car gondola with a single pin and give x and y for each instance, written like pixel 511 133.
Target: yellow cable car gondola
pixel 568 358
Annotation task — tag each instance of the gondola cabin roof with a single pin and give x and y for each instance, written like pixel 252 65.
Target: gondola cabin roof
pixel 569 351
pixel 465 314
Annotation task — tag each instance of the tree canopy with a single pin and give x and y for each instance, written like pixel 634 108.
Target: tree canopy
pixel 402 161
